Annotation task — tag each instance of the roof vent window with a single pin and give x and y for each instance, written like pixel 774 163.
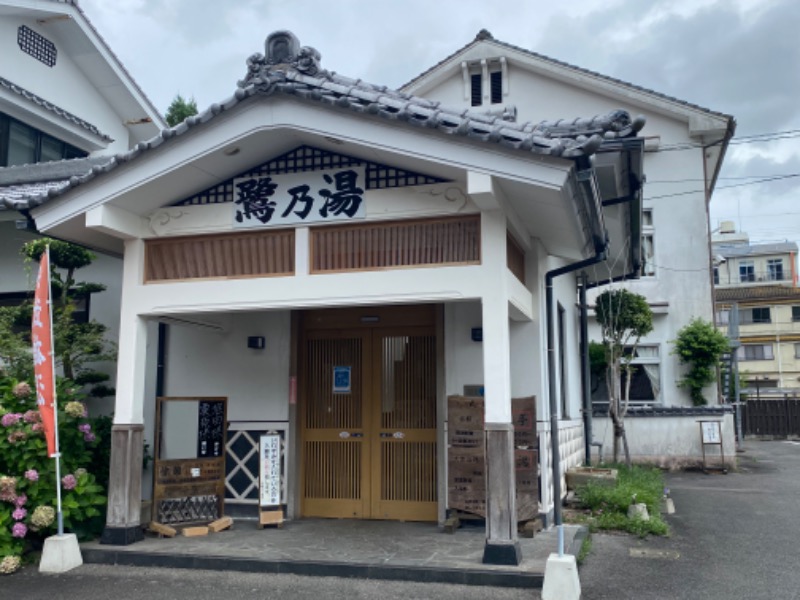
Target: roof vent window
pixel 38 46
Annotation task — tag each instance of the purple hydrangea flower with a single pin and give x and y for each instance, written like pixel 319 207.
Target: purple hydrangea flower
pixel 85 428
pixel 18 530
pixel 21 501
pixel 19 514
pixel 69 482
pixel 10 419
pixel 32 475
pixel 88 437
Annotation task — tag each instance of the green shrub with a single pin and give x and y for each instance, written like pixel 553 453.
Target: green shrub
pixel 27 473
pixel 608 506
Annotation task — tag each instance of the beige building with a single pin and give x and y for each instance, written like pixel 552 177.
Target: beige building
pixel 761 280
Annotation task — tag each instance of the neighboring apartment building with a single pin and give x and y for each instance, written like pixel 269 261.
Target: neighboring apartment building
pixel 760 280
pixel 66 105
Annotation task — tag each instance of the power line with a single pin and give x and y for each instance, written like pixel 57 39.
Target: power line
pixel 725 187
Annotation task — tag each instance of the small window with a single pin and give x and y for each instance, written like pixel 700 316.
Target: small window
pixel 797 350
pixel 647 217
pixel 796 313
pixel 648 254
pixel 747 272
pixel 476 84
pixel 716 275
pixel 723 316
pixel 496 80
pixel 756 315
pixel 21 144
pixel 755 352
pixel 775 269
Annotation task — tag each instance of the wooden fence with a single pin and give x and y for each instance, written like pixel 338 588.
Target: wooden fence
pixel 777 416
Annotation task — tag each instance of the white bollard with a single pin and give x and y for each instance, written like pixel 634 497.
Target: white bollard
pixel 61 553
pixel 561 581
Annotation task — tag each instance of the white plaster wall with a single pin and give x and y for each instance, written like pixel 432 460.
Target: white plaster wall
pixel 463 357
pixel 256 382
pixel 103 307
pixel 668 442
pixel 64 84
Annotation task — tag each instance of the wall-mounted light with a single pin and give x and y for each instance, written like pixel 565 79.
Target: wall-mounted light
pixel 477 334
pixel 231 151
pixel 256 342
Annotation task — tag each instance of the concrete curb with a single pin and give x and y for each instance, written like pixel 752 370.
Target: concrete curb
pixel 421 574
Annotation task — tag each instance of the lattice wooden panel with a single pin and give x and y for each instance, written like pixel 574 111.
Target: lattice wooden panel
pixel 454 241
pixel 255 254
pixel 189 509
pixel 333 470
pixel 324 408
pixel 408 382
pixel 408 471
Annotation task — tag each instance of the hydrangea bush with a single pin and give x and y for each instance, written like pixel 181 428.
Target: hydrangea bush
pixel 27 473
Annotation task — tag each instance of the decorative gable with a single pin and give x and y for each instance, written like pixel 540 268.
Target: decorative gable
pixel 308 158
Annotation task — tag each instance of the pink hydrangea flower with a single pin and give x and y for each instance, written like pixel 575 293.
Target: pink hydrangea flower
pixel 18 530
pixel 19 514
pixel 10 419
pixel 16 436
pixel 37 427
pixel 21 501
pixel 31 416
pixel 32 475
pixel 22 389
pixel 69 482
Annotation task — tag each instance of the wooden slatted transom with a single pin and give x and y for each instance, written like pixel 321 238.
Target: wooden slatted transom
pixel 234 255
pixel 372 246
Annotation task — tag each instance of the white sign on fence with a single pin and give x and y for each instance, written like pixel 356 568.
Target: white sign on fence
pixel 270 470
pixel 710 432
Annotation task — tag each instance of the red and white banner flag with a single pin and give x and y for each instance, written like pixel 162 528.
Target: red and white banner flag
pixel 42 338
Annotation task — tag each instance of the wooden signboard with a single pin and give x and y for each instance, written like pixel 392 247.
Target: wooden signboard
pixel 466 461
pixel 189 465
pixel 270 506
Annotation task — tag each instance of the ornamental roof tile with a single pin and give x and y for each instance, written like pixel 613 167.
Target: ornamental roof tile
pixel 291 70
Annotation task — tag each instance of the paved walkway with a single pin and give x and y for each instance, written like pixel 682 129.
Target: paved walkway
pixel 342 548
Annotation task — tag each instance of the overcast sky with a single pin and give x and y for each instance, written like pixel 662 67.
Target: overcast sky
pixel 739 57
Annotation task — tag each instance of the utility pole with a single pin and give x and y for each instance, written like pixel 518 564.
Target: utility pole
pixel 733 336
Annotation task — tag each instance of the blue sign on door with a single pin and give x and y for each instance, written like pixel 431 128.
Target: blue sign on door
pixel 341 380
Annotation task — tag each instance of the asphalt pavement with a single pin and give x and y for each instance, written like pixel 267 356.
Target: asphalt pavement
pixel 733 537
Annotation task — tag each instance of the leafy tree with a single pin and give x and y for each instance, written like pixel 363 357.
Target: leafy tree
pixel 76 345
pixel 180 110
pixel 624 317
pixel 699 345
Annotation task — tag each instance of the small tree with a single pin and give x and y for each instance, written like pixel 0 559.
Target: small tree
pixel 701 346
pixel 180 110
pixel 624 317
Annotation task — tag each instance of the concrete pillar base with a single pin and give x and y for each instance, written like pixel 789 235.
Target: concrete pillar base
pixel 502 553
pixel 561 580
pixel 61 553
pixel 121 536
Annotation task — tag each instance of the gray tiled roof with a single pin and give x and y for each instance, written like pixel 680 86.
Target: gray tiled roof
pixel 298 74
pixel 484 35
pixel 47 105
pixel 756 292
pixel 21 182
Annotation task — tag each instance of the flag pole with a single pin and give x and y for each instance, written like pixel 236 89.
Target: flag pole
pixel 57 454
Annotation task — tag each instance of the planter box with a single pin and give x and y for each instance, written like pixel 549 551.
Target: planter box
pixel 578 476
